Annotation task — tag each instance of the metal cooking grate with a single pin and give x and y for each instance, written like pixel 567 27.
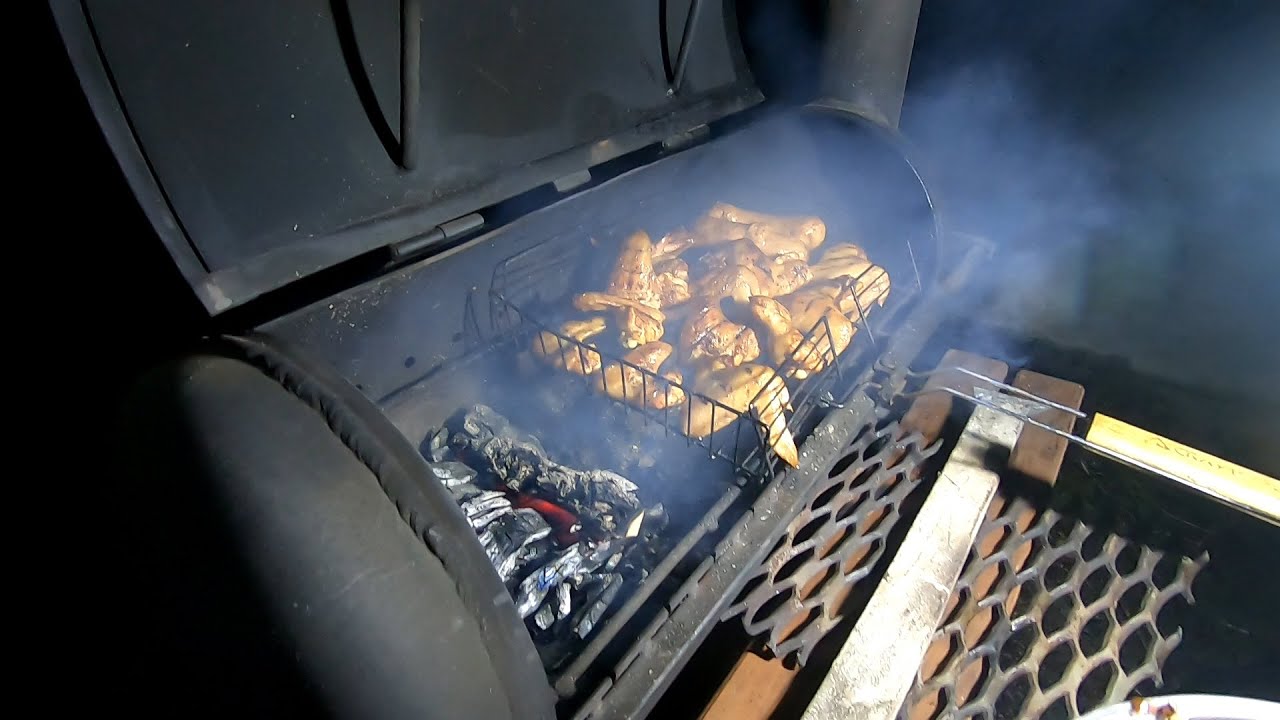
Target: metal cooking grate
pixel 1051 619
pixel 795 597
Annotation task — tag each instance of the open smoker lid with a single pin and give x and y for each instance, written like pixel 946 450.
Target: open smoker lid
pixel 264 139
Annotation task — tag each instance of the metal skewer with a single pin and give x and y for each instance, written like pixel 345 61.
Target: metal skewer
pixel 1023 412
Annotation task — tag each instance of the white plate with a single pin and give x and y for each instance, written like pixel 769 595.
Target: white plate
pixel 1192 707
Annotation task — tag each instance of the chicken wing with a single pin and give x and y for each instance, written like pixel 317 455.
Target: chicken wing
pixel 569 356
pixel 852 296
pixel 640 323
pixel 739 282
pixel 812 229
pixel 671 282
pixel 633 276
pixel 626 383
pixel 708 231
pixel 804 354
pixel 732 391
pixel 779 243
pixel 711 337
pixel 786 277
pixel 843 260
pixel 741 252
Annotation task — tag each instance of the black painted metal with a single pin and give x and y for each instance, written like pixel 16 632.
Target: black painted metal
pixel 867 56
pixel 259 137
pixel 410 80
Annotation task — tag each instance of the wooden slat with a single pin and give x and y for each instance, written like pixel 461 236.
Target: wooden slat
pixel 878 662
pixel 1233 484
pixel 1039 453
pixel 756 686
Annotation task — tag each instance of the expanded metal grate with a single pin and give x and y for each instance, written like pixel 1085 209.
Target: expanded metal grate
pixel 1051 618
pixel 795 597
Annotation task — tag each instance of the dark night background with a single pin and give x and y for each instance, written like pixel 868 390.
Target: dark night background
pixel 1124 156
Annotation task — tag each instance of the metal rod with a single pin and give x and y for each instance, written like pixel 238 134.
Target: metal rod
pixel 862 317
pixel 1003 386
pixel 567 683
pixel 912 253
pixel 1094 448
pixel 686 39
pixel 410 80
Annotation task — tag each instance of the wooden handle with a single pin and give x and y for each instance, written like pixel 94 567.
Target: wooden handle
pixel 1218 478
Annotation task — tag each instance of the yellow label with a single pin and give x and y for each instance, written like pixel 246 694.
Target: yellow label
pixel 1200 470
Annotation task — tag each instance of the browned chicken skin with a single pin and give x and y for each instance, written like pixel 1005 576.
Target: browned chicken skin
pixel 852 298
pixel 708 231
pixel 810 353
pixel 640 323
pixel 710 337
pixel 671 282
pixel 739 282
pixel 740 388
pixel 741 252
pixel 843 260
pixel 811 229
pixel 778 243
pixel 625 383
pixel 633 276
pixel 569 356
pixel 788 276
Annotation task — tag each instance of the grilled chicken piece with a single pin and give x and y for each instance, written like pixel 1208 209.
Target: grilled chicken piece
pixel 843 260
pixel 633 276
pixel 671 281
pixel 625 383
pixel 710 336
pixel 569 356
pixel 784 338
pixel 640 323
pixel 741 252
pixel 779 243
pixel 788 345
pixel 708 231
pixel 811 229
pixel 738 388
pixel 788 276
pixel 870 288
pixel 739 282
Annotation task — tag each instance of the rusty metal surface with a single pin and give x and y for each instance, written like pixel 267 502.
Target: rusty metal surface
pixel 833 543
pixel 795 598
pixel 1053 618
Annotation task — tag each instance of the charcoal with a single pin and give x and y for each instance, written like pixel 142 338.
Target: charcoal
pixel 597 603
pixel 603 500
pixel 507 538
pixel 438 446
pixel 452 473
pixel 564 603
pixel 545 616
pixel 533 589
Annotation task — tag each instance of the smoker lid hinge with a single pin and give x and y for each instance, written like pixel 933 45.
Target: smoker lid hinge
pixel 442 233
